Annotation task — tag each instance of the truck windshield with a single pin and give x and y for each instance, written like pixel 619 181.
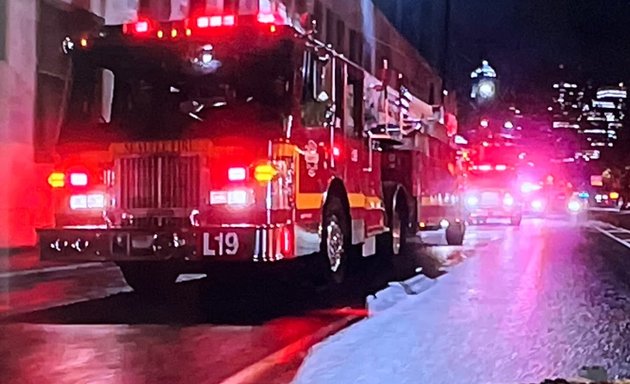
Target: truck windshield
pixel 119 101
pixel 492 179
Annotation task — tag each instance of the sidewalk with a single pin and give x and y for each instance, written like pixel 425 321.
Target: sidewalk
pixel 614 217
pixel 25 261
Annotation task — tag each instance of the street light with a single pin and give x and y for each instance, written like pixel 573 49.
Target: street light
pixel 486 89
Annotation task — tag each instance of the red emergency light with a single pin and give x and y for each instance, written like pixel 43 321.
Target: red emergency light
pixel 142 27
pixel 203 22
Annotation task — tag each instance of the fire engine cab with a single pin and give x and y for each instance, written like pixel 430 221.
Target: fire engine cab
pixel 233 138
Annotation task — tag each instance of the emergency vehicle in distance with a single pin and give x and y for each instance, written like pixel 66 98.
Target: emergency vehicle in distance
pixel 239 138
pixel 492 185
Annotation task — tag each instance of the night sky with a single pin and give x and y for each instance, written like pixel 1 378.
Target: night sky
pixel 525 40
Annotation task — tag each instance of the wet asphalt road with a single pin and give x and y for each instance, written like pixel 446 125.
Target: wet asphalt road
pixel 541 302
pixel 545 284
pixel 86 326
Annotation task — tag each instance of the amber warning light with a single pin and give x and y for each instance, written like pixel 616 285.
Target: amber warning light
pixel 57 180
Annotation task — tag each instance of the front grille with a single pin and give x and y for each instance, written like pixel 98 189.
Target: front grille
pixel 159 181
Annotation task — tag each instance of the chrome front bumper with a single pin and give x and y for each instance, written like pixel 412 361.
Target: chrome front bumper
pixel 218 243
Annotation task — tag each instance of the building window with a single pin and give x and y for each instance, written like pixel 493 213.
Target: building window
pixel 330 27
pixel 319 18
pixel 341 37
pixel 354 47
pixel 3 29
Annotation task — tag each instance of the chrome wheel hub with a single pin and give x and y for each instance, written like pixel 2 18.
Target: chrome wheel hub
pixel 334 244
pixel 396 233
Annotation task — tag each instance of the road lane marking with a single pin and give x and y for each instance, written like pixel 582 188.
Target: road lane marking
pixel 612 236
pixel 254 372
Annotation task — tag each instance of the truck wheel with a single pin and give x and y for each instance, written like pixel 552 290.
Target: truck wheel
pixel 336 243
pixel 455 234
pixel 149 278
pixel 393 242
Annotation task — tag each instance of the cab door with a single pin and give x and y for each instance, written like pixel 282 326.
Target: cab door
pixel 360 167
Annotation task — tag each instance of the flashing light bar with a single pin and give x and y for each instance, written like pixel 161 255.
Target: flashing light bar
pixel 141 27
pixel 204 22
pixel 146 27
pixel 488 167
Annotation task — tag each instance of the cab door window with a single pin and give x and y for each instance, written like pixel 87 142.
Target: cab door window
pixel 317 103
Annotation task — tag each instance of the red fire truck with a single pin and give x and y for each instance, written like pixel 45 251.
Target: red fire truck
pixel 236 138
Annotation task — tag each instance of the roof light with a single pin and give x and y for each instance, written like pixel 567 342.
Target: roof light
pixel 485 168
pixel 501 167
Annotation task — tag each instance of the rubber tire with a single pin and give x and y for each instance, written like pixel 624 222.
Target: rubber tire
pixel 385 242
pixel 455 234
pixel 516 221
pixel 149 278
pixel 334 208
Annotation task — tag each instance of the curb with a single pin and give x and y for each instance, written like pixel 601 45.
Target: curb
pixel 254 372
pixel 397 292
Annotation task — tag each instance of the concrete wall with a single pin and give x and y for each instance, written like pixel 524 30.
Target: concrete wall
pixel 340 21
pixel 21 191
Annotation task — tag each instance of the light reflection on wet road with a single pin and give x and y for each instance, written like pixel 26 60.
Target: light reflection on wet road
pixel 541 302
pixel 518 298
